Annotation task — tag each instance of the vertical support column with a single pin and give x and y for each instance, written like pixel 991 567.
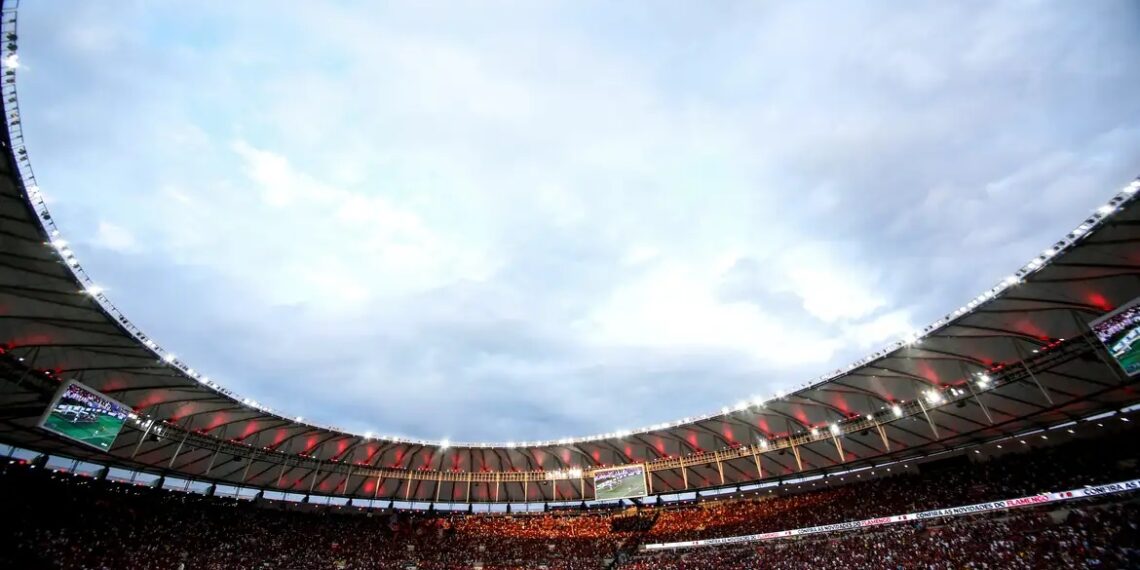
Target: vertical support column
pixel 280 474
pixel 438 485
pixel 719 466
pixel 313 480
pixel 376 491
pixel 985 410
pixel 217 450
pixel 649 477
pixel 213 458
pixel 970 385
pixel 928 420
pixel 526 487
pixel 882 435
pixel 684 474
pixel 143 438
pixel 317 471
pixel 469 477
pixel 408 488
pixel 177 450
pixel 796 452
pixel 498 477
pixel 349 457
pixel 1032 376
pixel 245 473
pixel 756 459
pixel 839 449
pixel 582 488
pixel 344 489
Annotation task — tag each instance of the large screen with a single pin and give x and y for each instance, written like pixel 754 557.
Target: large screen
pixel 1120 333
pixel 84 415
pixel 624 482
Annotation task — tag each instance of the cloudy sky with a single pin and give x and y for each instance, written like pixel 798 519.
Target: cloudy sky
pixel 522 220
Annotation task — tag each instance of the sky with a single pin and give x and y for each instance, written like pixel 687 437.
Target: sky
pixel 504 221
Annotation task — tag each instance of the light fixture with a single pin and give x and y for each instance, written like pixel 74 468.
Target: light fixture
pixel 933 397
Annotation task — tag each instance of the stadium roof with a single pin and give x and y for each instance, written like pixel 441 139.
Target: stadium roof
pixel 1017 357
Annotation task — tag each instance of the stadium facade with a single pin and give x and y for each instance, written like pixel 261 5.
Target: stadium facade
pixel 1018 358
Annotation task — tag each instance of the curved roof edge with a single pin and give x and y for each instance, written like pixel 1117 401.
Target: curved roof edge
pixel 36 199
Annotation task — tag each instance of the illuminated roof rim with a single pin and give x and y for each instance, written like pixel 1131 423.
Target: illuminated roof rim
pixel 35 200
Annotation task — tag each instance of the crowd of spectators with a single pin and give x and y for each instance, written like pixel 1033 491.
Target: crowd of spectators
pixel 1091 536
pixel 70 522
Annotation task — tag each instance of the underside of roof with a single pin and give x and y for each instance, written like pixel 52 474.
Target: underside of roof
pixel 1031 339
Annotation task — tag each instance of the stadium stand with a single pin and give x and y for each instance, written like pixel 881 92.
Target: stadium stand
pixel 72 522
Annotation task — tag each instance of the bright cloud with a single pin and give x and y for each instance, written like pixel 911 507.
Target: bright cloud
pixel 114 237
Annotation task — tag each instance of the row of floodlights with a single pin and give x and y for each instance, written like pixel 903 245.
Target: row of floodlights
pixel 11 62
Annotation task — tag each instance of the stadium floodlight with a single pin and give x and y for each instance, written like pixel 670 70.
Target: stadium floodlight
pixel 724 410
pixel 367 435
pixel 1132 188
pixel 12 61
pixel 1105 210
pixel 897 409
pixel 299 419
pixel 444 444
pixel 94 290
pixel 763 443
pixel 983 379
pixel 933 397
pixel 59 243
pixel 834 429
pixel 870 417
pixel 815 432
pixel 170 357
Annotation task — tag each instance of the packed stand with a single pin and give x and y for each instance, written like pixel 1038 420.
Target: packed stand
pixel 1092 536
pixel 72 522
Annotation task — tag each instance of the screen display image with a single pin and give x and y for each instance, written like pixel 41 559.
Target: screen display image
pixel 1120 333
pixel 620 483
pixel 84 415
